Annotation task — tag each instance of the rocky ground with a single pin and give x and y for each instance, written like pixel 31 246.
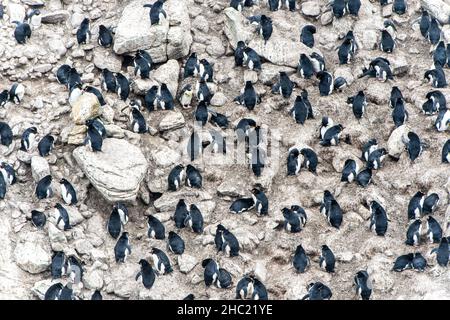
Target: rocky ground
pixel 134 167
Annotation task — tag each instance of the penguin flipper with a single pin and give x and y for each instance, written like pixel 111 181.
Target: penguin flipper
pixel 138 275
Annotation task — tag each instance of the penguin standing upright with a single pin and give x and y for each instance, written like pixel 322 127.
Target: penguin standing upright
pixel 62 217
pixel 43 188
pixel 194 219
pixel 307 35
pixel 399 114
pixel 156 229
pixel 442 252
pixel 105 37
pixel 84 33
pixel 415 205
pixel 446 152
pixel 58 268
pixel 226 241
pixel 68 192
pixel 157 12
pixel 434 31
pixel 310 161
pixel 434 230
pixel 201 113
pixel 301 260
pixel 193 177
pixel 413 146
pixel 395 95
pixel 331 210
pixel 142 64
pixel 176 243
pixel 424 23
pixel 147 273
pixel 109 82
pixel 359 104
pixel 413 233
pixel 237 4
pixel 16 93
pixel 327 260
pixel 192 65
pixel 161 262
pixel 349 171
pixel 185 96
pixel 363 285
pixel 261 202
pixel 137 120
pixel 175 178
pixel 122 249
pixel 305 67
pixel 339 8
pixel 165 99
pixel 430 204
pixel 3 187
pixel 180 214
pixel 94 139
pixel 249 98
pixel 326 84
pixel 299 111
pixel 265 28
pixel 284 86
pixel 378 219
pixel 211 272
pixel 123 86
pixel 440 55
pixel 387 43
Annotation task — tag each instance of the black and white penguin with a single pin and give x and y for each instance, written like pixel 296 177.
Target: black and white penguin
pixel 73 79
pixel 353 7
pixel 434 230
pixel 284 86
pixel 94 139
pixel 16 93
pixel 105 37
pixel 339 8
pixel 378 219
pixel 193 177
pixel 58 266
pixel 84 33
pixel 413 233
pixel 292 222
pixel 443 120
pixel 192 67
pixel 176 178
pixel 317 61
pixel 419 263
pixel 4 97
pixel 38 218
pixel 300 212
pixel 226 241
pixel 318 291
pixel 399 7
pixel 203 93
pixel 349 171
pixel 436 77
pixel 218 143
pixel 340 83
pixel 415 205
pixel 307 35
pixel 414 146
pixel 157 13
pixel 238 55
pixel 424 23
pixel 96 92
pixel 201 114
pixel 62 217
pixel 243 128
pixel 122 249
pixel 150 98
pixel 359 104
pixel 364 177
pixel 442 252
pixel 242 205
pixel 97 295
pixel 224 279
pixel 428 107
pixel 300 261
pixel 261 202
pixel 248 98
pixel 430 203
pixel 97 125
pixel 185 96
pixel 147 273
pixel 53 292
pixel 74 269
pixel 218 119
pixel 331 210
pixel 176 243
pixel 363 284
pixel 122 86
pixel 205 71
pixel 265 27
pixel 251 59
pixel 194 146
pixel 399 114
pixel 6 135
pixel 137 120
pixel 332 135
pixel 259 290
pixel 310 160
pixel 211 272
pixel 3 187
pixel 117 219
pixel 345 52
pixel 244 288
pixel 62 74
pixel 446 152
pixel 74 93
pixel 194 219
pixel 305 67
pixel 43 188
pixel 327 260
pixel 300 111
pixel 387 43
pixel 326 84
pixel 161 262
pixel 8 173
pixel 165 98
pixel 440 55
pixel 293 162
pixel 156 229
pixel 395 95
pixel 376 158
pixel 378 68
pixel 403 262
pixel 22 32
pixel 434 31
pixel 142 64
pixel 68 192
pixel 275 5
pixel 180 214
pixel 438 100
pixel 109 81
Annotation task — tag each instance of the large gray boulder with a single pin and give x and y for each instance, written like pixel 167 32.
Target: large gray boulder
pixel 283 48
pixel 171 39
pixel 33 252
pixel 117 171
pixel 438 8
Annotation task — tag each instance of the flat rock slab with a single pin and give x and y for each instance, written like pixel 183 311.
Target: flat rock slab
pixel 117 171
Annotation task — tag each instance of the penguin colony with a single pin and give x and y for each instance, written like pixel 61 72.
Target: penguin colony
pixel 424 225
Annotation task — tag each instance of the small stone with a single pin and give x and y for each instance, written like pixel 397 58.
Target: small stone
pixel 172 120
pixel 39 168
pixel 186 263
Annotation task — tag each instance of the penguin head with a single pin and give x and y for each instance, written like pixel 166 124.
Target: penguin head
pixel 187 87
pixel 102 28
pixel 204 62
pixel 207 261
pixel 304 94
pixel 32 130
pixel 63 181
pixel 143 262
pixel 294 152
pixel 325 121
pixel 220 228
pixel 85 22
pixel 310 28
pixel 299 249
pixel 58 206
pixel 325 247
pixel 256 191
pixel 248 84
pixel 240 44
pixel 327 194
pixel 389 23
